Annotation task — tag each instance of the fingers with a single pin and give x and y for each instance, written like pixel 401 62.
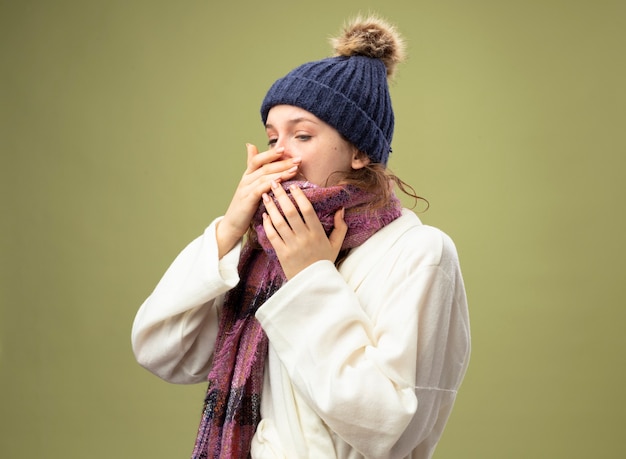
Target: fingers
pixel 252 151
pixel 261 169
pixel 311 220
pixel 272 235
pixel 296 233
pixel 306 211
pixel 257 160
pixel 267 166
pixel 289 221
pixel 338 234
pixel 274 157
pixel 301 217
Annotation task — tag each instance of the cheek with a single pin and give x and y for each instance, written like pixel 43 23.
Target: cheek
pixel 342 158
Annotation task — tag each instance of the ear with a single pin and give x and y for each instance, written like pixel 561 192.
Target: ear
pixel 359 159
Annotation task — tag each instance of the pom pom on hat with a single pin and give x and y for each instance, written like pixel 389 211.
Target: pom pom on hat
pixel 371 37
pixel 349 91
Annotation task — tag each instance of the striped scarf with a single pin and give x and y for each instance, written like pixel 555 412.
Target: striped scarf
pixel 233 400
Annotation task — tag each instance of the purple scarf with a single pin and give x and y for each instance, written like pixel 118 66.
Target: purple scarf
pixel 232 404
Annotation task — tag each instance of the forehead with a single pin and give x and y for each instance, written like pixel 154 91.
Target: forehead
pixel 290 114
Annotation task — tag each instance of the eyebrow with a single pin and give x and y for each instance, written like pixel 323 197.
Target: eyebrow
pixel 292 122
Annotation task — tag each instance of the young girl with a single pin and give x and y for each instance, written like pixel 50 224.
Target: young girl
pixel 328 320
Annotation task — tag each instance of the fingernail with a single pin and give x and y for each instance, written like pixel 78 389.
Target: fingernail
pixel 296 160
pixel 265 197
pixel 292 169
pixel 274 184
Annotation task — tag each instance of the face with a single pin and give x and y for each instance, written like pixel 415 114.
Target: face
pixel 320 146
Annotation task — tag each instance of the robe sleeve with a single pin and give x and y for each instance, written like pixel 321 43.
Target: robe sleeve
pixel 174 331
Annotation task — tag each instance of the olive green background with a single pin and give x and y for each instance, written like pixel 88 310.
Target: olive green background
pixel 122 133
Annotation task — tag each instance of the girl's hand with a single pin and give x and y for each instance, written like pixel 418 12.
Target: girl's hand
pixel 298 237
pixel 262 169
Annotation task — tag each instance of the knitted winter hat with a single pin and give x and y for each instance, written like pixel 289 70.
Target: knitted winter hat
pixel 350 91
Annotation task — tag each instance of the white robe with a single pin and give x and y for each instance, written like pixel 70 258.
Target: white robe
pixel 364 361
